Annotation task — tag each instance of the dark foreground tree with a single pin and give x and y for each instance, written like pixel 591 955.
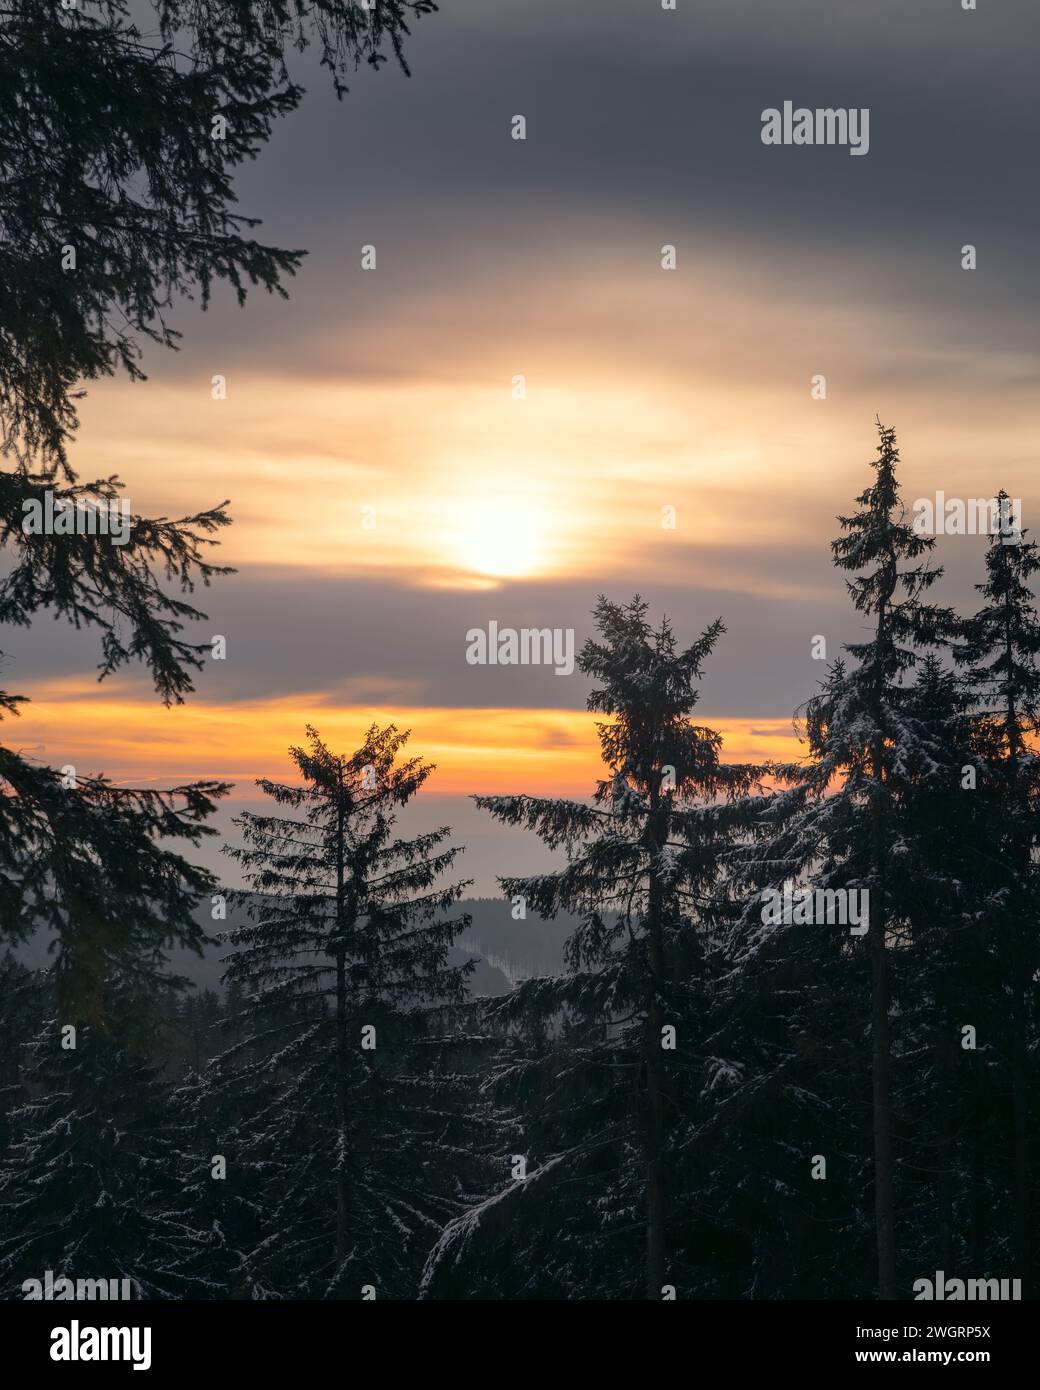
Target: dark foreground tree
pixel 91 1184
pixel 839 822
pixel 346 1097
pixel 23 1005
pixel 1000 658
pixel 118 141
pixel 79 857
pixel 117 146
pixel 606 1061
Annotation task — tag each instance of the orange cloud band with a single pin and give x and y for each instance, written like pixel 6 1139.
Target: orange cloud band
pixel 477 750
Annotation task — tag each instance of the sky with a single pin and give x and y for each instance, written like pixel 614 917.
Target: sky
pixel 390 492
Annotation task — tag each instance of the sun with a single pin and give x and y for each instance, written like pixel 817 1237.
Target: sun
pixel 505 540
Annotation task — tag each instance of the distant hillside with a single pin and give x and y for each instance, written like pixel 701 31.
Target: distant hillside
pixel 206 973
pixel 518 949
pixel 507 951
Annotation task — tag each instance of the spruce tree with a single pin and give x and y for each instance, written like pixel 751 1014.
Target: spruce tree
pixel 838 817
pixel 341 1098
pixel 94 864
pixel 602 1059
pixel 999 655
pixel 91 1185
pixel 23 997
pixel 948 969
pixel 119 149
pixel 777 1164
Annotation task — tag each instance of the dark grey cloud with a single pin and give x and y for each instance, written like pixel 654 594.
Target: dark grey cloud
pixel 642 120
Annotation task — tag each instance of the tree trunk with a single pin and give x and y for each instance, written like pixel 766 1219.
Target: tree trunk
pixel 945 1153
pixel 881 1068
pixel 881 1042
pixel 656 1212
pixel 653 1123
pixel 1020 1114
pixel 342 1045
pixel 976 1237
pixel 1021 979
pixel 342 1063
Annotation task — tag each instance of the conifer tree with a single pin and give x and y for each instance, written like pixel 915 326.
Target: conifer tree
pixel 117 198
pixel 602 1056
pixel 999 655
pixel 23 1003
pixel 948 967
pixel 90 1188
pixel 838 816
pixel 80 858
pixel 341 1099
pixel 91 1173
pixel 119 147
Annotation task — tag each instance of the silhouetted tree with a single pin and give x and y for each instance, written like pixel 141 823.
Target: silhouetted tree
pixel 118 147
pixel 604 1056
pixel 341 1096
pixel 91 1183
pixel 838 821
pixel 1000 656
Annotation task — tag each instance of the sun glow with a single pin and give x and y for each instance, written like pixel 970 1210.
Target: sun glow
pixel 503 539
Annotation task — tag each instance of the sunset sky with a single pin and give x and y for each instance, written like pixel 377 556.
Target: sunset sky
pixel 392 389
